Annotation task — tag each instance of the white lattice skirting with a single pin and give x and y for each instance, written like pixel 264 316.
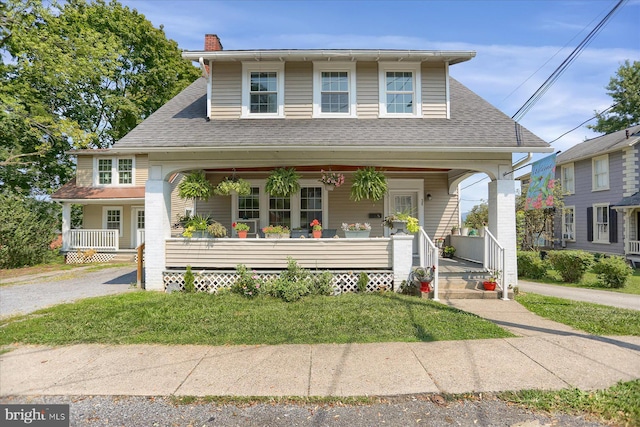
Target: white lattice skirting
pixel 212 281
pixel 87 257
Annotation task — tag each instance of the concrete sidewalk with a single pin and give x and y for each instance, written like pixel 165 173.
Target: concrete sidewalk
pixel 547 355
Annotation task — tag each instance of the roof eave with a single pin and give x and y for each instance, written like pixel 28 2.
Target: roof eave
pixel 451 56
pixel 438 149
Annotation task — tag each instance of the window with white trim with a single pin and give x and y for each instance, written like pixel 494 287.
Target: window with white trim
pixel 280 211
pixel 114 171
pixel 249 205
pixel 601 223
pixel 334 89
pixel 600 169
pixel 568 182
pixel 400 92
pixel 310 205
pixel 568 223
pixel 263 90
pixel 112 219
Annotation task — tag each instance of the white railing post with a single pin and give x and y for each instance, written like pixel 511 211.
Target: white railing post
pixel 494 259
pixel 429 257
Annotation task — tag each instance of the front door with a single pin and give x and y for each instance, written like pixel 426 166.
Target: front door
pixel 406 202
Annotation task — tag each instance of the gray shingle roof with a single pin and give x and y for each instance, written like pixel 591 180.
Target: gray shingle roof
pixel 631 201
pixel 600 145
pixel 474 123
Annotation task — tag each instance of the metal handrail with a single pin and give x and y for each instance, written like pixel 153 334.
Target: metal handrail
pixel 429 256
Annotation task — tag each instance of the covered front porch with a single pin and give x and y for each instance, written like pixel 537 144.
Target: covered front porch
pixel 388 262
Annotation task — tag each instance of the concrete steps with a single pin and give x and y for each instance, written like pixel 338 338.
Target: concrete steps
pixel 464 284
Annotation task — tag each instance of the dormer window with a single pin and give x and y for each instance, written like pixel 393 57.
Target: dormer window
pixel 400 94
pixel 334 89
pixel 114 171
pixel 263 90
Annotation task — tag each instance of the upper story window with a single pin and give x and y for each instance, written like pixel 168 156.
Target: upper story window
pixel 263 90
pixel 600 170
pixel 400 94
pixel 114 171
pixel 568 181
pixel 334 89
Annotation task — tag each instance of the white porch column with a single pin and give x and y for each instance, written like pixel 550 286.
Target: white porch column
pixel 502 224
pixel 157 207
pixel 402 258
pixel 66 225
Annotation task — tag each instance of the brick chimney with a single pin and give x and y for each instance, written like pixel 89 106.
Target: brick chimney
pixel 212 42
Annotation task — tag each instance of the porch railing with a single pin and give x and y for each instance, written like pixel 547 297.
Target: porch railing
pixel 93 239
pixel 494 259
pixel 634 247
pixel 429 255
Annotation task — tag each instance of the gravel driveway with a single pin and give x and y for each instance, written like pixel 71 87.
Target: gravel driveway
pixel 22 295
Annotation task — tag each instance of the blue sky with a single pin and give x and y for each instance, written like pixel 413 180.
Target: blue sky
pixel 519 43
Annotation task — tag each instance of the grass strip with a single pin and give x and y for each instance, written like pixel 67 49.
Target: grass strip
pixel 592 318
pixel 618 403
pixel 177 318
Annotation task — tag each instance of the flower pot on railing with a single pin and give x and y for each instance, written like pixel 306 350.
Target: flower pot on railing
pixel 316 234
pixel 242 234
pixel 357 234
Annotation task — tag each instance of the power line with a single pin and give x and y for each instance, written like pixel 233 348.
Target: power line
pixel 564 65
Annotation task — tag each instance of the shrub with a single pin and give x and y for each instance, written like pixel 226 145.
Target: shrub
pixel 290 291
pixel 530 265
pixel 363 281
pixel 322 284
pixel 612 271
pixel 27 228
pixel 247 284
pixel 571 265
pixel 189 281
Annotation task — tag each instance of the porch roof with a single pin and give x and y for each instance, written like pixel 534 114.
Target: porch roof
pixel 475 125
pixel 71 192
pixel 628 202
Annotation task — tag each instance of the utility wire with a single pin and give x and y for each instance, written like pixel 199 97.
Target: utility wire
pixel 564 65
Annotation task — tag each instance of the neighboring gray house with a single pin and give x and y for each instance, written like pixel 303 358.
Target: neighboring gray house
pixel 602 208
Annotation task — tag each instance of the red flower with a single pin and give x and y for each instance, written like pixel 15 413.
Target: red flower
pixel 234 225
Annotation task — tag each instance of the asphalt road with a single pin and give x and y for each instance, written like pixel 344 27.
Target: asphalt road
pixel 25 294
pixel 614 299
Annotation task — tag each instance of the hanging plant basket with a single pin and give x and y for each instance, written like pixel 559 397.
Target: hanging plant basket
pixel 368 183
pixel 230 185
pixel 195 186
pixel 283 182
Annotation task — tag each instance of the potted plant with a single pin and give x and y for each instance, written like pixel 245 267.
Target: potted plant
pixel 276 232
pixel 283 182
pixel 356 230
pixel 490 283
pixel 331 180
pixel 440 242
pixel 241 229
pixel 217 230
pixel 368 183
pixel 400 220
pixel 316 229
pixel 425 276
pixel 232 185
pixel 196 226
pixel 455 230
pixel 195 186
pixel 448 251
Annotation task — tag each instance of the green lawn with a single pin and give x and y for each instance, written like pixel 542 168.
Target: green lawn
pixel 590 281
pixel 178 318
pixel 618 404
pixel 592 318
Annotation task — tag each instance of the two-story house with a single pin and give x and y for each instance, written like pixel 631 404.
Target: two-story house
pixel 601 179
pixel 318 109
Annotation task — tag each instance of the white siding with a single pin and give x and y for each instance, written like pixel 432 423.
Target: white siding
pixel 434 95
pixel 298 92
pixel 226 98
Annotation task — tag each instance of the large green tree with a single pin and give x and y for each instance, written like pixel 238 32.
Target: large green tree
pixel 76 75
pixel 624 88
